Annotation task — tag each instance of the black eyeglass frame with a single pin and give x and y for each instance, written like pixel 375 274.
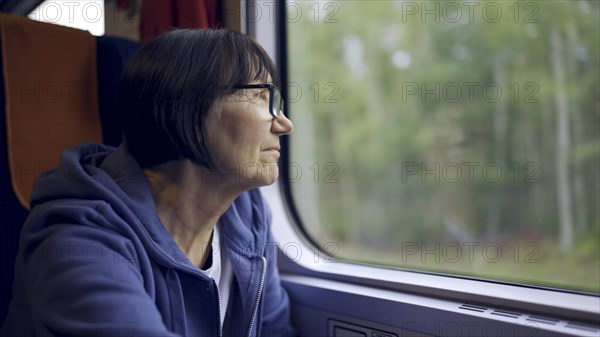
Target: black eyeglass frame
pixel 273 110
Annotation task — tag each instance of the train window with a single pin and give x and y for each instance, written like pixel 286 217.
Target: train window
pixel 86 15
pixel 459 138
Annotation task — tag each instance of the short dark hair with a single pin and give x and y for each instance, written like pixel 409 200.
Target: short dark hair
pixel 171 84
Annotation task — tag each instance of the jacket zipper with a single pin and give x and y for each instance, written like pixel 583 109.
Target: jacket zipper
pixel 219 309
pixel 258 296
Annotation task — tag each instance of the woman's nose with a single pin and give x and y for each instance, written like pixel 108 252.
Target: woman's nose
pixel 282 125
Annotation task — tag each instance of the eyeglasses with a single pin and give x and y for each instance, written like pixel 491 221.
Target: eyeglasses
pixel 275 100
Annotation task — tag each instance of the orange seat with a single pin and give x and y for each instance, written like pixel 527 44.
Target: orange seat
pixel 58 90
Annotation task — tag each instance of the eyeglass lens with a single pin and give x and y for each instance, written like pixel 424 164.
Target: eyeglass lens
pixel 276 102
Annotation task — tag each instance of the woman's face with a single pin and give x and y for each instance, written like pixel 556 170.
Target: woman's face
pixel 244 138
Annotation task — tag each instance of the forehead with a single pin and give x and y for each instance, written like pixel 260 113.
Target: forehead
pixel 269 79
pixel 260 75
pixel 261 69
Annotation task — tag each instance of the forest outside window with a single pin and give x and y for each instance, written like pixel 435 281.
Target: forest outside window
pixel 451 137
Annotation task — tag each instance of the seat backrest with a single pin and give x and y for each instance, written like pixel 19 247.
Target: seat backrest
pixel 28 132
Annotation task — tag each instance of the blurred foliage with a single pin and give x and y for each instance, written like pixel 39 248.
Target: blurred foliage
pixel 444 122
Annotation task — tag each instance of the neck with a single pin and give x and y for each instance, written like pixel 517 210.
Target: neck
pixel 189 201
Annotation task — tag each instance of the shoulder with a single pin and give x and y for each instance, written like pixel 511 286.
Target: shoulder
pixel 74 221
pixel 69 236
pixel 82 230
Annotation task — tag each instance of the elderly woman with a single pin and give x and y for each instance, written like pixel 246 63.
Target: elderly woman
pixel 166 235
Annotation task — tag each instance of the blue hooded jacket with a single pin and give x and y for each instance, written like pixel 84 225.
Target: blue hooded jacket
pixel 95 260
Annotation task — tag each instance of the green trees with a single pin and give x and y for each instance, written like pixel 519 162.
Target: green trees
pixel 452 124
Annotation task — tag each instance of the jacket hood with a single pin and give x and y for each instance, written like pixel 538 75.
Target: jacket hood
pixel 93 175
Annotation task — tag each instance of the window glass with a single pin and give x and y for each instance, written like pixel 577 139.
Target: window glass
pixel 451 137
pixel 85 15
